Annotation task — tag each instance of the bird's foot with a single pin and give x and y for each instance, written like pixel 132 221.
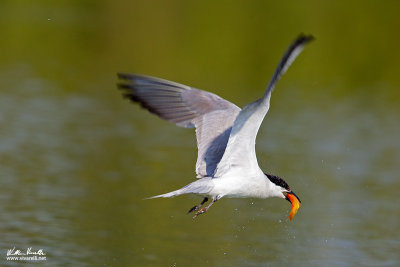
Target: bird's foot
pixel 203 210
pixel 195 208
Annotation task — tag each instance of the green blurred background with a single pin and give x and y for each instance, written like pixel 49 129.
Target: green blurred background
pixel 77 160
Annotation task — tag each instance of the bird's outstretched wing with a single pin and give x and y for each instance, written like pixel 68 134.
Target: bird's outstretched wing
pixel 187 107
pixel 240 154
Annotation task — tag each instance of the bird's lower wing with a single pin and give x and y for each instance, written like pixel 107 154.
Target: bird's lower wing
pixel 240 154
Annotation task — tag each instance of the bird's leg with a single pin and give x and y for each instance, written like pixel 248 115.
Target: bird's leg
pixel 203 210
pixel 198 206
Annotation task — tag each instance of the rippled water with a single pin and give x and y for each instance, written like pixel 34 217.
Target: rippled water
pixel 77 160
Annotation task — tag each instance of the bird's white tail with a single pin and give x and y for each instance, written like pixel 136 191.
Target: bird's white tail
pixel 201 186
pixel 170 194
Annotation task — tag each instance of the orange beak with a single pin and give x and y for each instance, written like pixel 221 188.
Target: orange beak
pixel 295 204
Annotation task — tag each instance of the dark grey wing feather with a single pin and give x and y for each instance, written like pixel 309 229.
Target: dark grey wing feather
pixel 187 107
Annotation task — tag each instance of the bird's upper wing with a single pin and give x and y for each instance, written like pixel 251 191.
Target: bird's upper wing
pixel 240 154
pixel 187 107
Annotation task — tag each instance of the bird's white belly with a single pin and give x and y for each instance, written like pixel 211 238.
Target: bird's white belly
pixel 240 187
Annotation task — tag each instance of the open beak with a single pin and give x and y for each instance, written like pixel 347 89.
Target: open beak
pixel 294 199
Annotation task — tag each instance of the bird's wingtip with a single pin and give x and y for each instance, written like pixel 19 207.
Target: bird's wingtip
pixel 146 198
pixel 302 37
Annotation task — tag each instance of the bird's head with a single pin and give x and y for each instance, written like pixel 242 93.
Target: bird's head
pixel 285 192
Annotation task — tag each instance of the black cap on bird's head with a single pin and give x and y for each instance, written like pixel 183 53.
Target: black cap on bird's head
pixel 289 194
pixel 278 181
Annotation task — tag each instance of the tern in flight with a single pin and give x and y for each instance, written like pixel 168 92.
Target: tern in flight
pixel 226 135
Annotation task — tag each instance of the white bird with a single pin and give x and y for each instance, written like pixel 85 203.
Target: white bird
pixel 226 135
